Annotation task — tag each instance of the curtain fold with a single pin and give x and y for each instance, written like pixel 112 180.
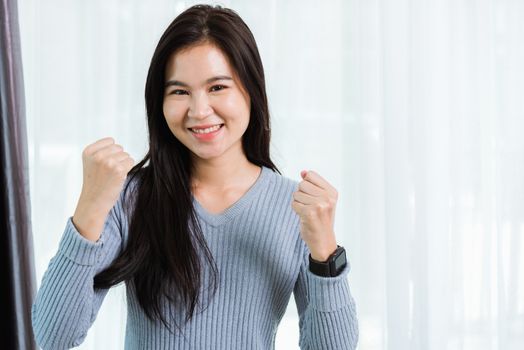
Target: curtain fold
pixel 16 247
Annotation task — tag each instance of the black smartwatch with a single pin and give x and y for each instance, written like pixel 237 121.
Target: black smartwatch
pixel 332 266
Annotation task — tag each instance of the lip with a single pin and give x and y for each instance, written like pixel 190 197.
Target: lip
pixel 209 136
pixel 204 126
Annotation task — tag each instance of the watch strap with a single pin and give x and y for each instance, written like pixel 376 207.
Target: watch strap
pixel 329 268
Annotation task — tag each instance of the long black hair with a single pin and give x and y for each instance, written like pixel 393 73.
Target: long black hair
pixel 162 255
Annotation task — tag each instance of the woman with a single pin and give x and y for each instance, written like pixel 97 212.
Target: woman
pixel 208 236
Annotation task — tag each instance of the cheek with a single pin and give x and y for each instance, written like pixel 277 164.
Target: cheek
pixel 237 106
pixel 241 103
pixel 173 112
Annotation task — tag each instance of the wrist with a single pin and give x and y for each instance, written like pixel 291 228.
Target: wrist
pixel 89 221
pixel 322 254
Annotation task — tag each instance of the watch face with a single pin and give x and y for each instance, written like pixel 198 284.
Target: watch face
pixel 340 260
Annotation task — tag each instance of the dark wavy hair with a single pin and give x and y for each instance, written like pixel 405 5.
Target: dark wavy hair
pixel 162 255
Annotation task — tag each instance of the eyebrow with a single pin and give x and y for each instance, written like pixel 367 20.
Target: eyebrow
pixel 208 81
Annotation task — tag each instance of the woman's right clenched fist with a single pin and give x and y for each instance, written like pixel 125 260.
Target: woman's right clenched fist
pixel 105 168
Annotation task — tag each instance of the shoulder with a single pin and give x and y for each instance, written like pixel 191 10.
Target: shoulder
pixel 128 195
pixel 279 189
pixel 282 182
pixel 122 211
pixel 279 197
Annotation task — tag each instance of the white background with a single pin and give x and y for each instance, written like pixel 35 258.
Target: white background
pixel 411 109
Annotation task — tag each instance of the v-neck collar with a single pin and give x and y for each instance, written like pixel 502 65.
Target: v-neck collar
pixel 238 206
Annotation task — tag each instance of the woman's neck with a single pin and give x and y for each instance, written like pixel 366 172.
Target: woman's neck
pixel 219 175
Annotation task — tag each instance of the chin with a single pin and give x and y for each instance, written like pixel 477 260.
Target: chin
pixel 206 156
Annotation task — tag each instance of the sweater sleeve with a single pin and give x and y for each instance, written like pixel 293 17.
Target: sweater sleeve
pixel 326 309
pixel 66 303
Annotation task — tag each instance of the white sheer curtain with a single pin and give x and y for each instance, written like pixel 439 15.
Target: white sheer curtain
pixel 434 172
pixel 411 109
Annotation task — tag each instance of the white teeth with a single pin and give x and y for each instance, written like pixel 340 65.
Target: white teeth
pixel 207 130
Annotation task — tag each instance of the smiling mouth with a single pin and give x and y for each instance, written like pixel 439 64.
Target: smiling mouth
pixel 207 130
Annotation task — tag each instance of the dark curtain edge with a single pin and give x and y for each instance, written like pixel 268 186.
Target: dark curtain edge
pixel 20 267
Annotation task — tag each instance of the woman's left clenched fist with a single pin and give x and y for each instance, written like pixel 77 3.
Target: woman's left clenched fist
pixel 315 203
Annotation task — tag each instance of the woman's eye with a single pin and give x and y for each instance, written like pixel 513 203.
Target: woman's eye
pixel 218 87
pixel 178 92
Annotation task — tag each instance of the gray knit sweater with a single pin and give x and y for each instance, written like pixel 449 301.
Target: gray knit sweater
pixel 261 259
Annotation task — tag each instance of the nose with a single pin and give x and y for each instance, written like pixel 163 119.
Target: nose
pixel 199 107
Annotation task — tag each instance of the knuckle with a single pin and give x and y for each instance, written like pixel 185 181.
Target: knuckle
pixel 322 206
pixel 119 169
pixel 98 158
pixel 108 163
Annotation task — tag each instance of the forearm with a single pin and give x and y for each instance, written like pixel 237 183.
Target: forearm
pixel 66 303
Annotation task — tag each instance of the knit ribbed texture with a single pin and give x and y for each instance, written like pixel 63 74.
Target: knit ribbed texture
pixel 261 259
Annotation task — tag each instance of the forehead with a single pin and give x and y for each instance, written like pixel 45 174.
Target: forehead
pixel 197 63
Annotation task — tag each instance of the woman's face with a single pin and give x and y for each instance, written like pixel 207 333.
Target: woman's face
pixel 203 91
